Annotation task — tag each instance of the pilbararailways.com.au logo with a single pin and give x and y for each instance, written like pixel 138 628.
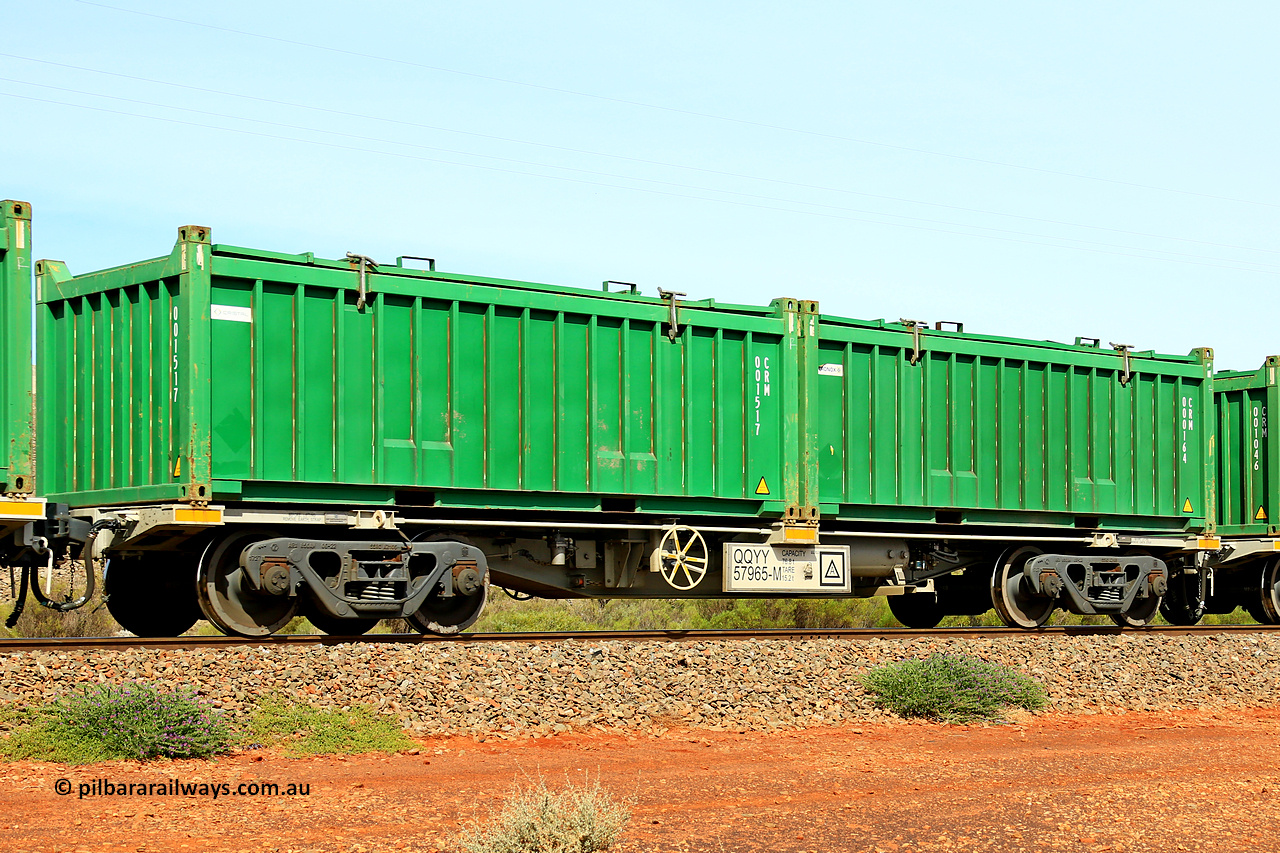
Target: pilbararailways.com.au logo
pixel 178 788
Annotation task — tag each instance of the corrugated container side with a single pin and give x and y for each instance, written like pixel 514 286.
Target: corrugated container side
pixel 16 377
pixel 1248 460
pixel 255 376
pixel 981 429
pixel 123 374
pixel 466 386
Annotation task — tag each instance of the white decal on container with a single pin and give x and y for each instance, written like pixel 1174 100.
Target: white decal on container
pixel 238 313
pixel 831 370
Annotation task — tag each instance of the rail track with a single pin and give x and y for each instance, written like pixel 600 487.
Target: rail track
pixel 84 643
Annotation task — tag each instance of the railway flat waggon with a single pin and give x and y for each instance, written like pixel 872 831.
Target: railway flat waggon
pixel 1245 571
pixel 247 435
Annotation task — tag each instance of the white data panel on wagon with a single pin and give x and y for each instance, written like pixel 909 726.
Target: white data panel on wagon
pixel 786 568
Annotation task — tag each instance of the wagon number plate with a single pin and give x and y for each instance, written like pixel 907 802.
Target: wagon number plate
pixel 786 568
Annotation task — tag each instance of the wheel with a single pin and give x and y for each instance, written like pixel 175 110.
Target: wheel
pixel 1144 610
pixel 152 595
pixel 681 557
pixel 446 616
pixel 1142 614
pixel 332 625
pixel 1268 604
pixel 1184 603
pixel 916 609
pixel 231 605
pixel 1016 605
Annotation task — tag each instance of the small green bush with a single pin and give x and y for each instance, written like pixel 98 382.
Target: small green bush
pixel 134 721
pixel 303 730
pixel 576 819
pixel 952 689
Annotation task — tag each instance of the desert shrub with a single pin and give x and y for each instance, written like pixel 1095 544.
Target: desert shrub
pixel 133 721
pixel 304 730
pixel 92 620
pixel 504 614
pixel 952 689
pixel 1238 616
pixel 575 819
pixel 803 613
pixel 14 716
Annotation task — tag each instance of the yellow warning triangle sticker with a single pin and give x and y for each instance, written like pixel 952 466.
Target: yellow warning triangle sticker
pixel 177 467
pixel 1186 507
pixel 762 488
pixel 1261 516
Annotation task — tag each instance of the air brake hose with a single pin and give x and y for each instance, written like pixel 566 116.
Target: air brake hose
pixel 89 583
pixel 20 601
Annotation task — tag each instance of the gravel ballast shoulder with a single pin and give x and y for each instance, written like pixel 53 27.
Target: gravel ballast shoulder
pixel 507 689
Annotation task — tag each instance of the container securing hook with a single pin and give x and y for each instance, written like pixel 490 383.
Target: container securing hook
pixel 1123 350
pixel 914 327
pixel 673 331
pixel 364 265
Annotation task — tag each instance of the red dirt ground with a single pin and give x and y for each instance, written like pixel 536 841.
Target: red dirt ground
pixel 1204 780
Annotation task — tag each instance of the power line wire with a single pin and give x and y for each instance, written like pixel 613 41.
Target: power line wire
pixel 796 184
pixel 596 173
pixel 319 143
pixel 669 109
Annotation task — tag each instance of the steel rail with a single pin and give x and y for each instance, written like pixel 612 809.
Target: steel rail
pixel 15 644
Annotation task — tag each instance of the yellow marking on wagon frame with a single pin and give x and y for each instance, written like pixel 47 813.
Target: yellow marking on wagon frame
pixel 195 515
pixel 26 509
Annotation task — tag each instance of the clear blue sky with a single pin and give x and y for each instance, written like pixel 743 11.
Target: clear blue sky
pixel 1040 170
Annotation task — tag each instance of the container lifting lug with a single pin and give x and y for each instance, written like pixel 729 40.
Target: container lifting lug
pixel 670 295
pixel 364 265
pixel 1123 350
pixel 431 262
pixel 914 327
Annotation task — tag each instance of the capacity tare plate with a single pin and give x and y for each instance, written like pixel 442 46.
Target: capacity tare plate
pixel 786 568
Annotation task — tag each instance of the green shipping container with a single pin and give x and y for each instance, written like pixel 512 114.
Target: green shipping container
pixel 925 425
pixel 1248 460
pixel 226 374
pixel 16 414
